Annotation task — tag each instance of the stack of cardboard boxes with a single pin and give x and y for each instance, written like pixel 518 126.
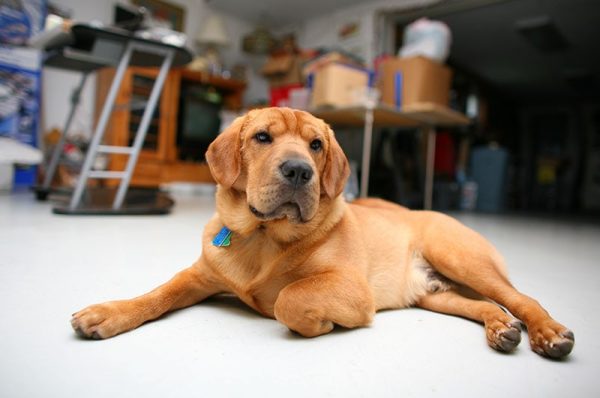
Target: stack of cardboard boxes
pixel 400 81
pixel 338 79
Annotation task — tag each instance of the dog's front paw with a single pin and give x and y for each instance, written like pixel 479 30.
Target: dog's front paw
pixel 503 336
pixel 101 321
pixel 551 339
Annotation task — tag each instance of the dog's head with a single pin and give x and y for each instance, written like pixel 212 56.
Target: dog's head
pixel 286 161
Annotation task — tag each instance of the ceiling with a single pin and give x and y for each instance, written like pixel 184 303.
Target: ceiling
pixel 279 13
pixel 486 42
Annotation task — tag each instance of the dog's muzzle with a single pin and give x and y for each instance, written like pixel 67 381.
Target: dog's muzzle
pixel 294 196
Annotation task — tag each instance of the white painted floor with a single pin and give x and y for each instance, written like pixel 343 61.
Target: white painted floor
pixel 51 266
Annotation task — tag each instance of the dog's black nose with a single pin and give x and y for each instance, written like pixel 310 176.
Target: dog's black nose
pixel 297 172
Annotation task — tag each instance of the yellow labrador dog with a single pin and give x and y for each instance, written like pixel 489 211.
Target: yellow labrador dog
pixel 287 244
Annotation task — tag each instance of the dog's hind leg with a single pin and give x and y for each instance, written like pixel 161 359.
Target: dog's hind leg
pixel 503 332
pixel 464 256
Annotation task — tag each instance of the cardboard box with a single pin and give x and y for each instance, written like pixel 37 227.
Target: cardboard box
pixel 283 70
pixel 404 81
pixel 336 85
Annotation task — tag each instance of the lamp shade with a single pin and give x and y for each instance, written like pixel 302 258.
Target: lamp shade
pixel 213 32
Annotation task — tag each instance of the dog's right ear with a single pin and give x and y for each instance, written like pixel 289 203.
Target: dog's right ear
pixel 223 155
pixel 337 169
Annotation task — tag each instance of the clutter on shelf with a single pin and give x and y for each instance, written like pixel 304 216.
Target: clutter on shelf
pixel 20 73
pixel 20 79
pixel 283 71
pixel 73 154
pixel 332 77
pixel 418 74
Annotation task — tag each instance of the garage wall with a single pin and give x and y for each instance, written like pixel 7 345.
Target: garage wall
pixel 324 30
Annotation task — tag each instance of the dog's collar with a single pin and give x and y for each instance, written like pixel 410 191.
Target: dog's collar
pixel 223 238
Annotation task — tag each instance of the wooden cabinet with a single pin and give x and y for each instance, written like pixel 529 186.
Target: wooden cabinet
pixel 159 160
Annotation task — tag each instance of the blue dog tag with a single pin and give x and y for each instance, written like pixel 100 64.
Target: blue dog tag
pixel 223 238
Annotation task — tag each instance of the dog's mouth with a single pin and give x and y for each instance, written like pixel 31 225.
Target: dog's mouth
pixel 290 210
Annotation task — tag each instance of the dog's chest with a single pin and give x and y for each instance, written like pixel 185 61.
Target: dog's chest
pixel 260 291
pixel 262 297
pixel 255 276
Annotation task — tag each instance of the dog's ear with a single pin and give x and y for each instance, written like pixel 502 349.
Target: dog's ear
pixel 336 170
pixel 224 157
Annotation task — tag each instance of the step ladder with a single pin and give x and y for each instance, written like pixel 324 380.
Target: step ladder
pixel 96 146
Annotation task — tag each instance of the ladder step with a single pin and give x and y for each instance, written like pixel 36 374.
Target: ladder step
pixel 106 174
pixel 115 149
pixel 137 105
pixel 132 105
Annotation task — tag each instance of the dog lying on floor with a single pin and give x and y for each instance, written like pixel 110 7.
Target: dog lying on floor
pixel 287 244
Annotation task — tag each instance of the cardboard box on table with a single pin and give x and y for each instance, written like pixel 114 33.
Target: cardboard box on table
pixel 338 85
pixel 404 81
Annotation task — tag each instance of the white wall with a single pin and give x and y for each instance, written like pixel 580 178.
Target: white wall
pixel 257 89
pixel 58 85
pixel 323 31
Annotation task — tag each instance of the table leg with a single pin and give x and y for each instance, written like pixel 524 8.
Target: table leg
pixel 366 155
pixel 427 201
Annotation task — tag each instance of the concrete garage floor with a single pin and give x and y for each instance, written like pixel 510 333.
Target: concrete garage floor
pixel 51 266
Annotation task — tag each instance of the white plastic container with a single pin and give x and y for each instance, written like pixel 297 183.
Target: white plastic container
pixel 427 38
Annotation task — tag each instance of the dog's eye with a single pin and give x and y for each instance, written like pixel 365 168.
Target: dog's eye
pixel 263 137
pixel 316 145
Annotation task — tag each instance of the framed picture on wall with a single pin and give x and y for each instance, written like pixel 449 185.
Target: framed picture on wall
pixel 163 13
